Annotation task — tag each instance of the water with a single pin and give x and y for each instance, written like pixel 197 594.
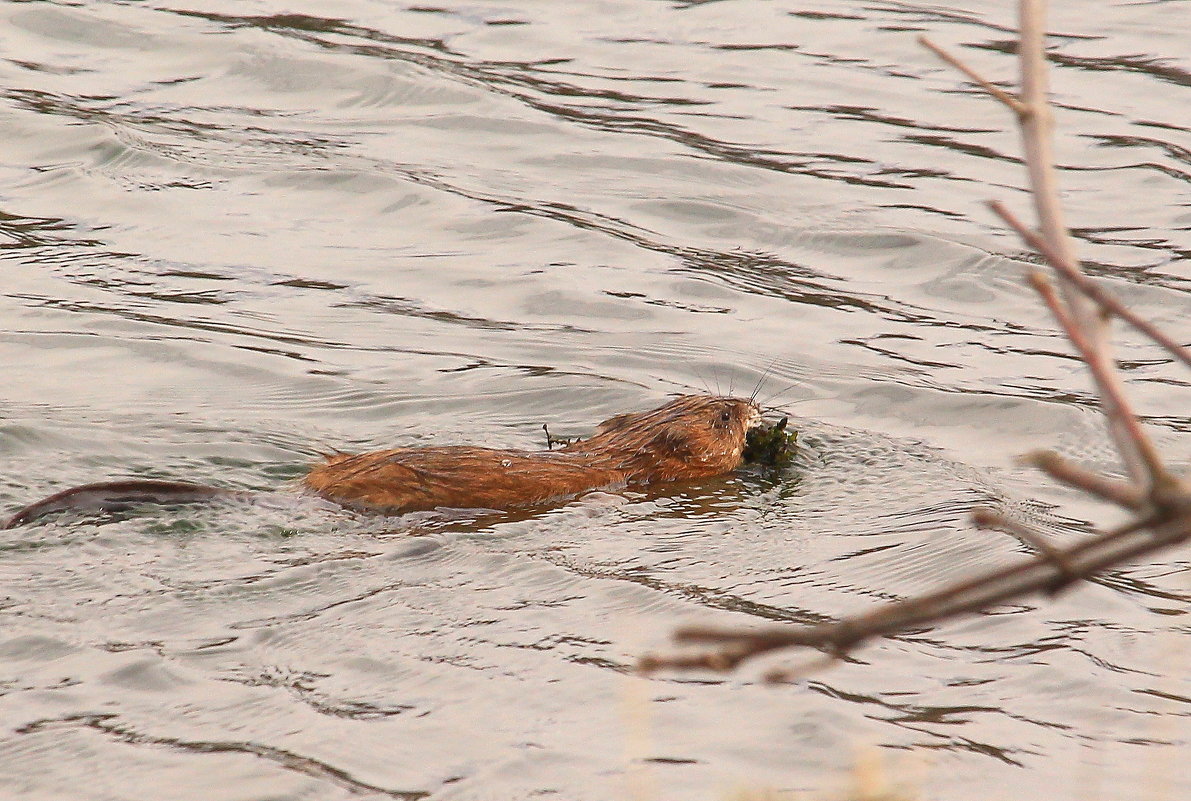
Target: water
pixel 235 235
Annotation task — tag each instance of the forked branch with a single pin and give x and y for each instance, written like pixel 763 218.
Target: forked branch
pixel 1047 572
pixel 1094 291
pixel 1159 503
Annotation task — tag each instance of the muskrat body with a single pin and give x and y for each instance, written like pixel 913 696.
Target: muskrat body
pixel 691 437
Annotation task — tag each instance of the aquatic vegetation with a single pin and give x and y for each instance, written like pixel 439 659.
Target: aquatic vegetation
pixel 771 444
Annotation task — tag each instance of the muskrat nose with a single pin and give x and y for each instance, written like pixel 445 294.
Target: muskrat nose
pixel 754 417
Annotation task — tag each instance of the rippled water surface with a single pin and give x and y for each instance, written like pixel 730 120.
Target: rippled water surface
pixel 237 234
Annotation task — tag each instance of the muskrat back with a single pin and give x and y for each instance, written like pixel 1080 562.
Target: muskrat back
pixel 690 437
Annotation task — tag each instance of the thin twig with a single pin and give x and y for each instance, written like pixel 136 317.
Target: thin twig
pixel 1123 494
pixel 1037 141
pixel 987 518
pixel 1039 574
pixel 1111 391
pixel 1035 122
pixel 1090 288
pixel 1009 100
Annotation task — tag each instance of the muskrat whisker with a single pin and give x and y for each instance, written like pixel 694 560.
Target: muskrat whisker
pixel 784 407
pixel 761 381
pixel 770 399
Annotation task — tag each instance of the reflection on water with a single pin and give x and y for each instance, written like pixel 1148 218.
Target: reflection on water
pixel 234 240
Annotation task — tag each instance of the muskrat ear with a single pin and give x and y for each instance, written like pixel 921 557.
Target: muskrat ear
pixel 672 442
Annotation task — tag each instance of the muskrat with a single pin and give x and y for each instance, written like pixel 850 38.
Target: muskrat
pixel 690 437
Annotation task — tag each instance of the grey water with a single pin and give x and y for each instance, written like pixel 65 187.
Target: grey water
pixel 237 235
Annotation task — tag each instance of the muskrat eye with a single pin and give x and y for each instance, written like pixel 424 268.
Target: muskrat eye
pixel 726 416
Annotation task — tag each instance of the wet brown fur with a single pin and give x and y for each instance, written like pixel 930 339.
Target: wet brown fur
pixel 692 436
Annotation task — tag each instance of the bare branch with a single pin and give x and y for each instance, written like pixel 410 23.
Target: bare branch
pixel 1160 502
pixel 987 518
pixel 1090 288
pixel 1116 405
pixel 997 92
pixel 1040 574
pixel 1036 128
pixel 1122 493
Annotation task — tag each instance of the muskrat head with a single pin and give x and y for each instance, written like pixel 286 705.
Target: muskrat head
pixel 692 436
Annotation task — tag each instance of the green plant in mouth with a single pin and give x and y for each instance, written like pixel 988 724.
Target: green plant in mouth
pixel 771 444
